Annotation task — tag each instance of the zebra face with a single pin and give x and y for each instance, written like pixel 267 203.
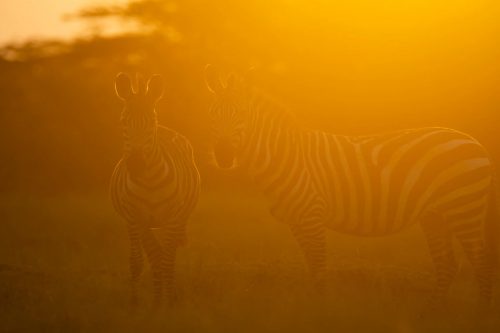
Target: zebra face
pixel 228 114
pixel 138 117
pixel 227 130
pixel 139 123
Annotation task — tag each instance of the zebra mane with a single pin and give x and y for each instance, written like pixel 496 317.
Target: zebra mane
pixel 272 107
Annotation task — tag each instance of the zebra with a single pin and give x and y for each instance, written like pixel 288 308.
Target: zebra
pixel 154 187
pixel 367 186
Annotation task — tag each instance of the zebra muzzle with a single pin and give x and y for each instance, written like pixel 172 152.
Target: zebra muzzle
pixel 224 153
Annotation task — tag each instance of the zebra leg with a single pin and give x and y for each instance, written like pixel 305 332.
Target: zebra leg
pixel 154 253
pixel 439 239
pixel 472 237
pixel 169 242
pixel 312 240
pixel 136 260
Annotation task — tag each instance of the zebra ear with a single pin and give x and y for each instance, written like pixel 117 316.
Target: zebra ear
pixel 155 87
pixel 212 79
pixel 123 86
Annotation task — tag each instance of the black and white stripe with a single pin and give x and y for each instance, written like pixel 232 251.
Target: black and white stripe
pixel 368 186
pixel 154 187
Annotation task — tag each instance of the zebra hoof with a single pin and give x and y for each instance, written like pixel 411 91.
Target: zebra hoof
pixel 133 305
pixel 485 311
pixel 157 304
pixel 173 300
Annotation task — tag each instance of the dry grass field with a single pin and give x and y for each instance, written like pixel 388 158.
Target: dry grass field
pixel 63 268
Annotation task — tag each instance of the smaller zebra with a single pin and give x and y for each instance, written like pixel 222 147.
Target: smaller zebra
pixel 154 187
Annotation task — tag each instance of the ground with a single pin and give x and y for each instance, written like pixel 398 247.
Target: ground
pixel 63 267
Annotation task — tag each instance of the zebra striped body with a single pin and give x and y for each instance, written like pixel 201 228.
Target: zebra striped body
pixel 373 185
pixel 367 186
pixel 166 193
pixel 154 187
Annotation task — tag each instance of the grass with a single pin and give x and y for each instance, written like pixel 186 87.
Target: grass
pixel 63 268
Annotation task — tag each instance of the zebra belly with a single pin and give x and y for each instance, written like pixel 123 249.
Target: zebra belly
pixel 358 228
pixel 154 210
pixel 154 207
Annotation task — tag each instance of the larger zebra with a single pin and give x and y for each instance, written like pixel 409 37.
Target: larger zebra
pixel 370 186
pixel 154 187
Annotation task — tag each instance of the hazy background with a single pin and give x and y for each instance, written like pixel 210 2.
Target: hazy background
pixel 346 66
pixel 352 67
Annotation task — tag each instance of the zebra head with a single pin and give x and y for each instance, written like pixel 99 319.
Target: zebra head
pixel 138 117
pixel 229 114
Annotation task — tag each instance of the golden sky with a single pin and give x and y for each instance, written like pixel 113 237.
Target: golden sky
pixel 22 19
pixel 384 56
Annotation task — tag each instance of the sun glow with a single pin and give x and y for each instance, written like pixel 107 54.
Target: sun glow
pixel 343 68
pixel 26 19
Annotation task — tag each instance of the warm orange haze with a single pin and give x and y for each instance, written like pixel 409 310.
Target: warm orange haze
pixel 333 169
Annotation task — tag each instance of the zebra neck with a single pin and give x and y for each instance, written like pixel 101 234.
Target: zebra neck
pixel 152 153
pixel 271 142
pixel 148 164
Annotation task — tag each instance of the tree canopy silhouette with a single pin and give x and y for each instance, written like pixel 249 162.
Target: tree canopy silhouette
pixel 340 68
